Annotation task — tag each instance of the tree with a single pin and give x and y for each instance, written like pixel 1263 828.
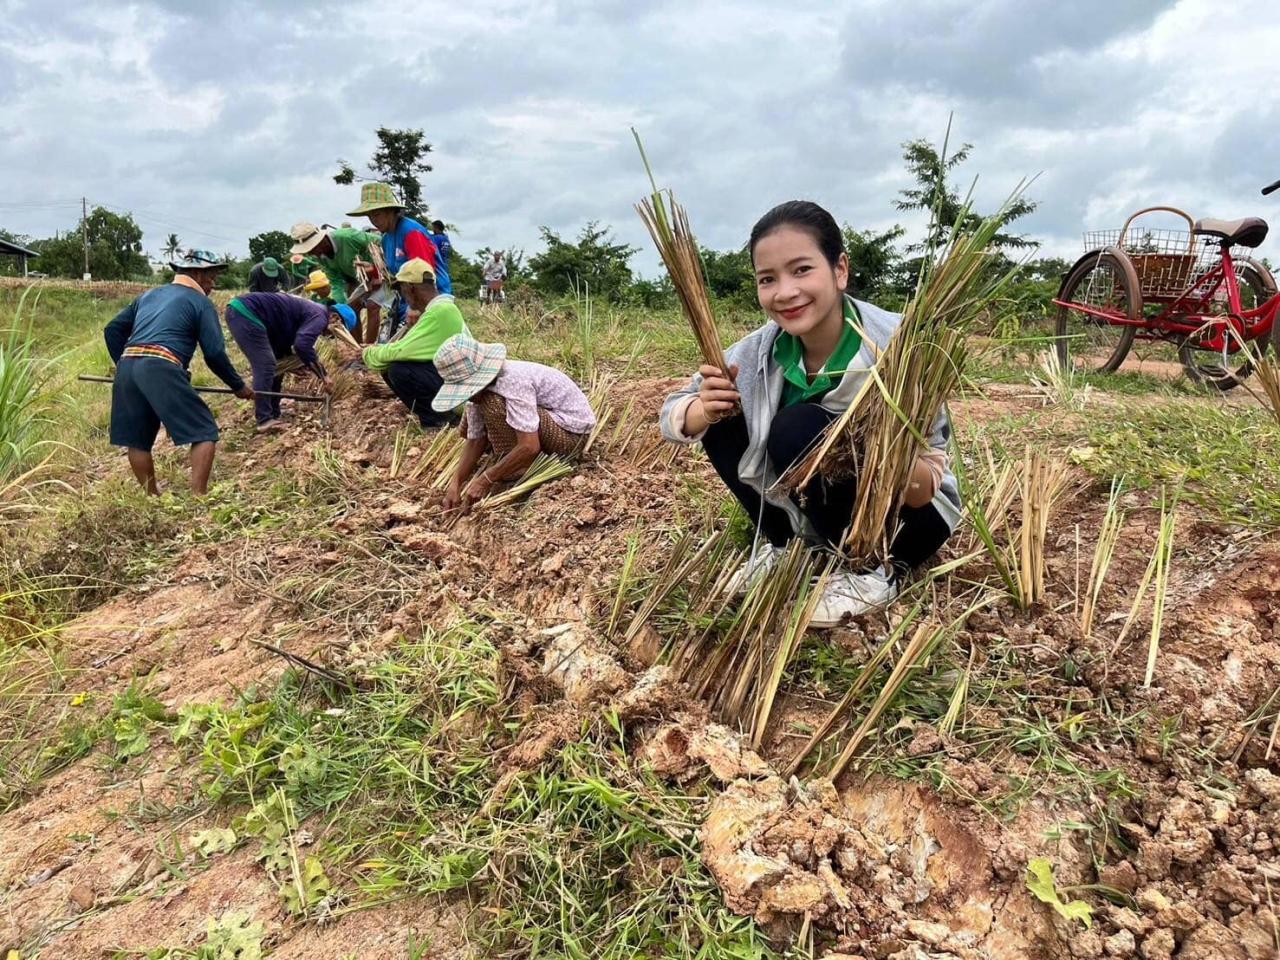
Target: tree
pixel 398 161
pixel 115 249
pixel 172 246
pixel 273 243
pixel 875 263
pixel 942 201
pixel 596 260
pixel 729 275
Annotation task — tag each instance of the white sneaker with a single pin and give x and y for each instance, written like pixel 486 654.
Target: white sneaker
pixel 853 594
pixel 755 567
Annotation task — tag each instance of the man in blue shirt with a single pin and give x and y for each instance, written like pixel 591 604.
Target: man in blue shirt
pixel 151 342
pixel 444 250
pixel 403 239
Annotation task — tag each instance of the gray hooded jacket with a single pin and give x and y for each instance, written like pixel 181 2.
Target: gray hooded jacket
pixel 760 381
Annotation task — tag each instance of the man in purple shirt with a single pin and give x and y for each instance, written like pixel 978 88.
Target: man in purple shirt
pixel 275 327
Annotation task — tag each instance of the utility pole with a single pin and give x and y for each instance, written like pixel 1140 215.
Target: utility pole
pixel 84 234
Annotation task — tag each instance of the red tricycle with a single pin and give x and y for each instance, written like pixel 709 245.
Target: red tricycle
pixel 1196 288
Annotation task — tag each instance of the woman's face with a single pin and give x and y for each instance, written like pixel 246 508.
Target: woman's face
pixel 795 284
pixel 384 221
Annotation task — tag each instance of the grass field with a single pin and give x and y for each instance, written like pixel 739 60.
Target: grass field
pixel 309 715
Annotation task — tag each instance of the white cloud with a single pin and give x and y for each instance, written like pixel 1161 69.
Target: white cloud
pixel 218 121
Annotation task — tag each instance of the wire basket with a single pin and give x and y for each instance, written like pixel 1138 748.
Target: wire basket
pixel 1166 261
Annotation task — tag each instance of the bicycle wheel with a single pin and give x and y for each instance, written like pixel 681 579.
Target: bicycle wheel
pixel 1225 370
pixel 1086 341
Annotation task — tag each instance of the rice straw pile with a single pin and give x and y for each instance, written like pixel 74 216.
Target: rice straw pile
pixel 886 424
pixel 669 226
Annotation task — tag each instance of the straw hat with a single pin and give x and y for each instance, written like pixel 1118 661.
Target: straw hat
pixel 306 237
pixel 376 196
pixel 198 260
pixel 319 280
pixel 467 367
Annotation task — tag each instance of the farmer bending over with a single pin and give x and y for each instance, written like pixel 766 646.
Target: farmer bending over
pixel 518 408
pixel 277 333
pixel 787 381
pixel 343 253
pixel 151 342
pixel 406 364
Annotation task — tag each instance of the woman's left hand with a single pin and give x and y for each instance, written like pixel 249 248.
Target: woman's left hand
pixel 477 489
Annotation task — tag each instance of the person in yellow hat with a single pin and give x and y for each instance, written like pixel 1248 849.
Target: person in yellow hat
pixel 318 287
pixel 407 364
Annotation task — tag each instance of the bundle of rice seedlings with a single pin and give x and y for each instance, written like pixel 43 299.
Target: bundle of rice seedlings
pixel 668 225
pixel 439 457
pixel 697 568
pixel 1040 484
pixel 955 706
pixel 886 424
pixel 1108 536
pixel 739 673
pixel 544 469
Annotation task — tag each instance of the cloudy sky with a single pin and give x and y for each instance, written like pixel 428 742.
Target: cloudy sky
pixel 221 119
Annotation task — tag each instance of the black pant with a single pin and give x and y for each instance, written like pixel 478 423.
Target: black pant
pixel 828 506
pixel 416 383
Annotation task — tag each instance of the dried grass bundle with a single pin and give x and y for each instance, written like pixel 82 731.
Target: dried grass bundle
pixel 1268 369
pixel 668 225
pixel 544 469
pixel 1040 484
pixel 886 425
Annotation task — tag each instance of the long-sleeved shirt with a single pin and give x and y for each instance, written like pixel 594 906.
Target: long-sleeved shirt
pixel 349 244
pixel 293 324
pixel 441 320
pixel 176 318
pixel 495 270
pixel 259 282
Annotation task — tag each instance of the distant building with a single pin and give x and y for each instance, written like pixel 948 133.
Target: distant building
pixel 10 249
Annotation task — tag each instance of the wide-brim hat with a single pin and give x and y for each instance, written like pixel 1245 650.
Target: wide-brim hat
pixel 306 237
pixel 376 196
pixel 317 280
pixel 271 267
pixel 199 260
pixel 349 318
pixel 466 366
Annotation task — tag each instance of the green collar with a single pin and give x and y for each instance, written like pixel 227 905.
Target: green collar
pixel 788 353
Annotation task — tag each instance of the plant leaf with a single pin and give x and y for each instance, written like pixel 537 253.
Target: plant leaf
pixel 1040 883
pixel 215 840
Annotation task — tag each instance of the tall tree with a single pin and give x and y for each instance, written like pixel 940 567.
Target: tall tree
pixel 115 248
pixel 273 243
pixel 171 246
pixel 399 160
pixel 596 260
pixel 875 263
pixel 934 195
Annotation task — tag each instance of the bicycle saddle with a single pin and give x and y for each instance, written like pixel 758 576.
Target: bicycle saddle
pixel 1247 231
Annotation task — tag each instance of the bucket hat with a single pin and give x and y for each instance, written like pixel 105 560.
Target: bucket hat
pixel 346 313
pixel 271 267
pixel 319 280
pixel 466 366
pixel 198 260
pixel 416 270
pixel 306 237
pixel 376 196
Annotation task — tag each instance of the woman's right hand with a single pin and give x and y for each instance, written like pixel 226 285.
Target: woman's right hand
pixel 717 396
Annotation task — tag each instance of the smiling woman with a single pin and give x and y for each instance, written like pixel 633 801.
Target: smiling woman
pixel 785 384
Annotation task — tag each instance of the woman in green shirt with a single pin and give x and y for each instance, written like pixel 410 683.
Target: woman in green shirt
pixel 787 382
